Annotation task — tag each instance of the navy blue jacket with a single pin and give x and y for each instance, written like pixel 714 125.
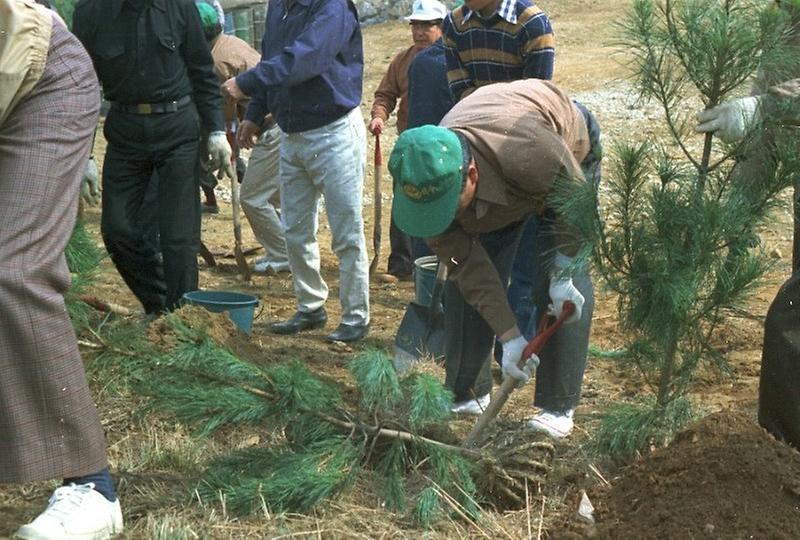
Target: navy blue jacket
pixel 312 65
pixel 429 97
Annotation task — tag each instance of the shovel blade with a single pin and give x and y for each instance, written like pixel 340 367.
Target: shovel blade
pixel 420 335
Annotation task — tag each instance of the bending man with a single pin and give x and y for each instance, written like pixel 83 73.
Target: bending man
pixel 468 187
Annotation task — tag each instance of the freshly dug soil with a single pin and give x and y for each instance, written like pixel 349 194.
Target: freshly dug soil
pixel 724 477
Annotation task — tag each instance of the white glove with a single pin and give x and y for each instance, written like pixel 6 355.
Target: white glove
pixel 90 187
pixel 562 289
pixel 512 352
pixel 219 152
pixel 730 120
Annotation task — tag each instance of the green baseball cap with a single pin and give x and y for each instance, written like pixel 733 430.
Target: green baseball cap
pixel 427 167
pixel 208 15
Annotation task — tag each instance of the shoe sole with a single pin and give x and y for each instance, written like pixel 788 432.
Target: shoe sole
pixel 550 432
pixel 313 326
pixel 330 339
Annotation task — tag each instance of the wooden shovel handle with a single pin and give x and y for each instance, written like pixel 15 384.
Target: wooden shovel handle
pixel 500 397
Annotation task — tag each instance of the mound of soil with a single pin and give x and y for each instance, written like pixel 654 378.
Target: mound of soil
pixel 724 477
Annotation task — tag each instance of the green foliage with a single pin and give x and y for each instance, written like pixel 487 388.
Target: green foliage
pixel 429 401
pixel 83 259
pixel 428 506
pixel 201 383
pixel 674 234
pixel 82 254
pixel 377 380
pixel 65 8
pixel 630 429
pixel 391 471
pixel 299 390
pixel 282 479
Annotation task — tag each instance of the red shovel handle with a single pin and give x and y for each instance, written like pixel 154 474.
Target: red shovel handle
pixel 499 398
pixel 378 155
pixel 546 330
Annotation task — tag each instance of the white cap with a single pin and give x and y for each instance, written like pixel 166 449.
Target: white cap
pixel 427 10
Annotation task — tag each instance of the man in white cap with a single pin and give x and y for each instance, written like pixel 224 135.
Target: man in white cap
pixel 426 28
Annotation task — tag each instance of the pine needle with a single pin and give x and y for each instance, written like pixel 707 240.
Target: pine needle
pixel 628 429
pixel 391 471
pixel 377 380
pixel 430 402
pixel 287 480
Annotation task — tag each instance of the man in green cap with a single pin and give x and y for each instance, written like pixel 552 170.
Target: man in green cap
pixel 468 186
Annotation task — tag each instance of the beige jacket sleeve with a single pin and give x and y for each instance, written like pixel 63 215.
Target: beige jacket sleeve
pixel 25 28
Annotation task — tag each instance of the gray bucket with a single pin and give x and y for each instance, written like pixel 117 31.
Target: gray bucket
pixel 424 278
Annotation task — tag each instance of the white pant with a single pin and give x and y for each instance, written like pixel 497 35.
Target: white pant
pixel 327 161
pixel 260 194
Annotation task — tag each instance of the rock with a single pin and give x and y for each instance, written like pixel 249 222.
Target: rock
pixel 585 509
pixel 776 254
pixel 377 11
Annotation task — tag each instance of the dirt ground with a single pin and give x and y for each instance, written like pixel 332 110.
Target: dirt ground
pixel 722 479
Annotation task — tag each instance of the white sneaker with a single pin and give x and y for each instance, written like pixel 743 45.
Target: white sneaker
pixel 557 425
pixel 472 406
pixel 75 512
pixel 261 265
pixel 268 266
pixel 278 267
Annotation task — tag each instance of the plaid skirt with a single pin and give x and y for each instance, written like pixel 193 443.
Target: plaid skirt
pixel 49 426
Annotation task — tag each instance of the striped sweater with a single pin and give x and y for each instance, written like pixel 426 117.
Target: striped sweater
pixel 515 43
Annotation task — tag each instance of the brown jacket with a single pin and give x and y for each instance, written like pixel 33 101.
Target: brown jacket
pixel 233 56
pixel 394 86
pixel 523 135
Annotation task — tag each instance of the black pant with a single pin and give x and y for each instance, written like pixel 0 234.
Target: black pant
pixel 138 146
pixel 470 340
pixel 400 261
pixel 468 337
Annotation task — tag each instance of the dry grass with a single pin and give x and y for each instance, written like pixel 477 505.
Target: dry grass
pixel 157 462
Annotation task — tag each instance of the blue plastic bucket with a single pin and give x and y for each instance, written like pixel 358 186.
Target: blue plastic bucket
pixel 239 306
pixel 424 278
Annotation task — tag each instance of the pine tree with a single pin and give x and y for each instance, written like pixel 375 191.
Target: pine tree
pixel 674 235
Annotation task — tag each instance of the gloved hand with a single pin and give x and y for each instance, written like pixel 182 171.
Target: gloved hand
pixel 90 187
pixel 512 352
pixel 562 289
pixel 219 152
pixel 730 120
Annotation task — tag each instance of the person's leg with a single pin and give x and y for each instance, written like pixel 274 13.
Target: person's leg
pixel 260 195
pixel 400 263
pixel 49 426
pixel 338 170
pixel 300 217
pixel 419 248
pixel 468 337
pixel 127 232
pixel 48 422
pixel 520 289
pixel 559 377
pixel 175 142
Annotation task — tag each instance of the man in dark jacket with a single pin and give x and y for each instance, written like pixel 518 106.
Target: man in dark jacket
pixel 156 70
pixel 310 78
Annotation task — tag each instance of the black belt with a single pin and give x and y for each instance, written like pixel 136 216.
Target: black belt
pixel 152 108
